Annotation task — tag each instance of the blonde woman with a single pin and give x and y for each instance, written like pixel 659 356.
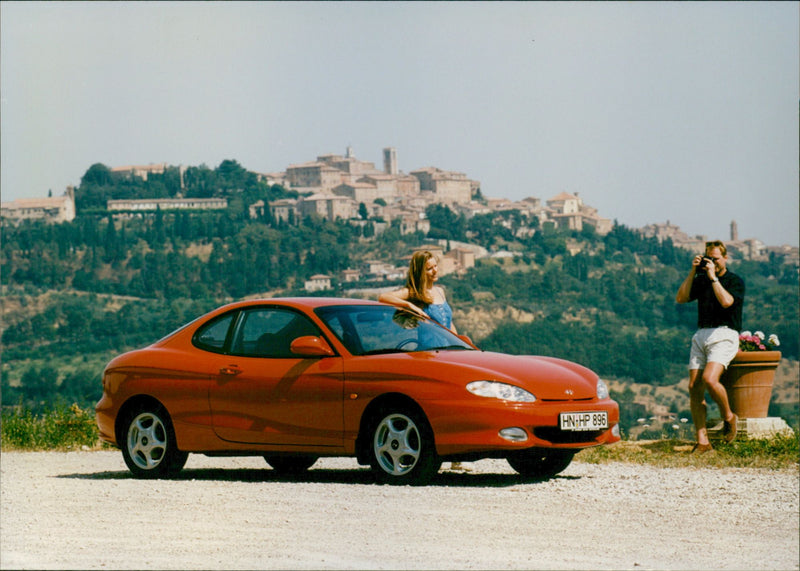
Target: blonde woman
pixel 421 295
pixel 424 298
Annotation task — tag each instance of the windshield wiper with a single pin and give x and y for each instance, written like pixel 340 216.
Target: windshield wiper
pixel 382 351
pixel 447 347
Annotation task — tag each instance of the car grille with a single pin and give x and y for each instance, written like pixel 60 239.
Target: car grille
pixel 557 436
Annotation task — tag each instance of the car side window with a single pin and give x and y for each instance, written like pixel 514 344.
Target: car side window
pixel 269 331
pixel 213 334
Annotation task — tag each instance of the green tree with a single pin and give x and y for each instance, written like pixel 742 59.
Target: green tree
pixel 445 223
pixel 97 175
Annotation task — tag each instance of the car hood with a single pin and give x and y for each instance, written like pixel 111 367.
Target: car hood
pixel 546 377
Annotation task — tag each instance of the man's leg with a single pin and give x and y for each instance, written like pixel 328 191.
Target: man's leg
pixel 697 395
pixel 711 379
pixel 711 376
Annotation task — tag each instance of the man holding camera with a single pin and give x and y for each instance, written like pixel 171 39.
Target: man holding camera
pixel 720 297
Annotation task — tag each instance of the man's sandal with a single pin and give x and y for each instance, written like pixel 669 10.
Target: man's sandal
pixel 702 448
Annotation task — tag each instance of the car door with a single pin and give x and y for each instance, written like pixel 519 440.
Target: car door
pixel 266 395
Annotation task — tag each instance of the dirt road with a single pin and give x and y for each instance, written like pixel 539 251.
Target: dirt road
pixel 83 510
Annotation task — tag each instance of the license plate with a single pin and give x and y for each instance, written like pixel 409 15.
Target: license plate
pixel 579 421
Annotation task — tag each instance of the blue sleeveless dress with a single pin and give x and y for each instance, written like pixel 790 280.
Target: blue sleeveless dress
pixel 441 312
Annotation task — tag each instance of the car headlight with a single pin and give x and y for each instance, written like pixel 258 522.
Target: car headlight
pixel 502 391
pixel 602 389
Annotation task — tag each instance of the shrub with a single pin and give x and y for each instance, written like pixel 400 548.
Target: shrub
pixel 60 428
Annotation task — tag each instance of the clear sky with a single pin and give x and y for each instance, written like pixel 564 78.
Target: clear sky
pixel 652 112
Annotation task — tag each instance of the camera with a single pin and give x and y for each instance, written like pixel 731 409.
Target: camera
pixel 704 263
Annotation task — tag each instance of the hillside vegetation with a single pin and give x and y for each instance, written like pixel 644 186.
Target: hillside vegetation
pixel 76 294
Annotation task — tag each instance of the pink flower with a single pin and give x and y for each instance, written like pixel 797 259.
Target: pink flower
pixel 756 341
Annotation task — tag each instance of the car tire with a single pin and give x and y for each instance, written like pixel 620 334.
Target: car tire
pixel 402 449
pixel 540 463
pixel 149 446
pixel 290 465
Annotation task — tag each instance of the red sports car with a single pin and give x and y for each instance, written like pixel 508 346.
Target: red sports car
pixel 296 379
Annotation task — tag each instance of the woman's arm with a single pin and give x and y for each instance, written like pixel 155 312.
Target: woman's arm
pixel 399 298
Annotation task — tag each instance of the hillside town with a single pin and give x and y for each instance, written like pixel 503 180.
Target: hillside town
pixel 344 187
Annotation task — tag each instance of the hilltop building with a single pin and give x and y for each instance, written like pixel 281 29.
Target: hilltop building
pixel 446 187
pixel 53 209
pixel 325 205
pixel 569 211
pixel 391 194
pixel 152 204
pixel 331 177
pixel 142 171
pixel 662 231
pixel 748 249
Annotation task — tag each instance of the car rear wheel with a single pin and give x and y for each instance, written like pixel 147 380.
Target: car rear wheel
pixel 402 448
pixel 290 464
pixel 149 446
pixel 540 463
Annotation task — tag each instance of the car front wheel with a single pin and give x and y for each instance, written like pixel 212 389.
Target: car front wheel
pixel 402 448
pixel 149 446
pixel 540 463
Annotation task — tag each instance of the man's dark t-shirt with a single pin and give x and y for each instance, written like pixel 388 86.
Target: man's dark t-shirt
pixel 709 311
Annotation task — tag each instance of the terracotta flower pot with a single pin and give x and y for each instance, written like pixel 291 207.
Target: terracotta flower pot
pixel 748 381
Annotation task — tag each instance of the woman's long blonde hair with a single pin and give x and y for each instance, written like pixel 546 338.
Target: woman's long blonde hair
pixel 419 290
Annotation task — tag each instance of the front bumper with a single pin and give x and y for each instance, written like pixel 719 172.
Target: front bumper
pixel 475 428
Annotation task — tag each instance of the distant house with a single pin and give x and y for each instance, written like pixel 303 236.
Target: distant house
pixel 52 209
pixel 447 187
pixel 464 258
pixel 565 203
pixel 377 271
pixel 140 170
pixel 257 209
pixel 358 191
pixel 313 175
pixel 318 282
pixel 499 204
pixel 569 212
pixel 284 209
pixel 329 206
pixel 350 275
pixel 471 208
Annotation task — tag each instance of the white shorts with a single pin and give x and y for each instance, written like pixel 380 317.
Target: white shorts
pixel 717 345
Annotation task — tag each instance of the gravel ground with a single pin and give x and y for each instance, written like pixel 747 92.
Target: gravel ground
pixel 83 510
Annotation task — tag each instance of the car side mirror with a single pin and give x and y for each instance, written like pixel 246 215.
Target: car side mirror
pixel 311 346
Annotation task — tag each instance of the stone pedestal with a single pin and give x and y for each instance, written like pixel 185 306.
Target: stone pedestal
pixel 753 428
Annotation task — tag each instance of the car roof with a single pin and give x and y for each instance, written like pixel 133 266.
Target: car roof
pixel 308 302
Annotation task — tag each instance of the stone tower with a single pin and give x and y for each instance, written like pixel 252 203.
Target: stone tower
pixel 734 231
pixel 390 160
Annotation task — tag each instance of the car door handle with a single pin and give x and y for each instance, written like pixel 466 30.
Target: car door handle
pixel 230 370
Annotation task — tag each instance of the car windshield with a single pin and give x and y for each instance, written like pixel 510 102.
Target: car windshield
pixel 376 329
